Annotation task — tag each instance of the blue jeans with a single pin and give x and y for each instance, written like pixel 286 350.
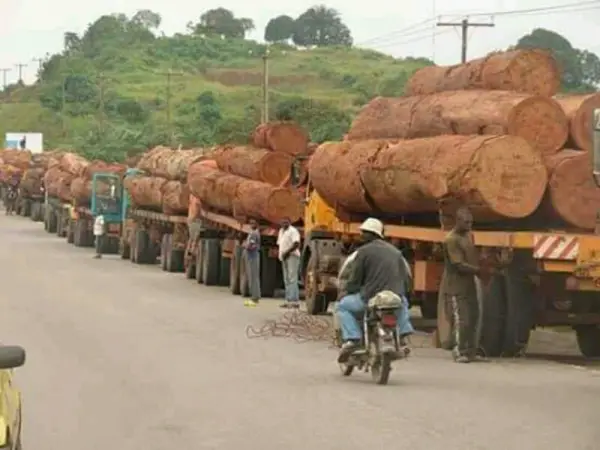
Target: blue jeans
pixel 290 268
pixel 352 306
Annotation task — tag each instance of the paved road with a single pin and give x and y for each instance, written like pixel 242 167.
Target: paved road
pixel 129 357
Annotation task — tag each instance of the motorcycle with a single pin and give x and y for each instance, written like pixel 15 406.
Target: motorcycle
pixel 381 343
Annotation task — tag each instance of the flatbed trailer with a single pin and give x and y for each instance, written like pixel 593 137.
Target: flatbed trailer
pixel 213 254
pixel 542 278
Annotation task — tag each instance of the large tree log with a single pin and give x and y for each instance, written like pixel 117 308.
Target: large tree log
pixel 579 110
pixel 528 71
pixel 145 192
pixel 98 166
pixel 540 120
pixel 169 163
pixel 81 190
pixel 16 158
pixel 10 174
pixel 285 137
pixel 175 198
pixel 572 193
pixel 255 163
pixel 73 163
pixel 32 181
pixel 496 176
pixel 58 183
pixel 238 196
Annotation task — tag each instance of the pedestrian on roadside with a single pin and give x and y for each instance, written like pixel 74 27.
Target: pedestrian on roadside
pixel 288 242
pixel 99 234
pixel 252 263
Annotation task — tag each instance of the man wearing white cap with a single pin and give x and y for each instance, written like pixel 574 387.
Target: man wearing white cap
pixel 375 267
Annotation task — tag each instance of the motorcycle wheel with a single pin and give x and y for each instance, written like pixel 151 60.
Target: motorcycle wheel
pixel 381 365
pixel 346 369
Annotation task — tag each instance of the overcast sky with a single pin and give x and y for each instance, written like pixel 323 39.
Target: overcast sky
pixel 33 28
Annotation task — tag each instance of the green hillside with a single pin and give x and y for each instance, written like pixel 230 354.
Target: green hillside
pixel 107 93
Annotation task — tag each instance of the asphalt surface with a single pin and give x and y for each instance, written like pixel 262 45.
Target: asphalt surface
pixel 129 357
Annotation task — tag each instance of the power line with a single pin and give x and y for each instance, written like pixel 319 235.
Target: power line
pixel 20 68
pixel 464 27
pixel 535 10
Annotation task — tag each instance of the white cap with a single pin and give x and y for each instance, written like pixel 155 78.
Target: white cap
pixel 373 225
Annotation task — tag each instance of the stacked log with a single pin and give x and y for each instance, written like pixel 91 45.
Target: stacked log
pixel 169 163
pixel 579 110
pixel 572 194
pixel 175 198
pixel 283 136
pixel 255 163
pixel 528 71
pixel 146 191
pixel 539 120
pixel 32 181
pixel 20 159
pixel 499 177
pixel 242 197
pixel 58 183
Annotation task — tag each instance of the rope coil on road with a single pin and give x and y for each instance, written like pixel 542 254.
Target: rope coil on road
pixel 298 325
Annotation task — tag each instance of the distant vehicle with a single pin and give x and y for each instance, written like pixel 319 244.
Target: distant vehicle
pixel 10 398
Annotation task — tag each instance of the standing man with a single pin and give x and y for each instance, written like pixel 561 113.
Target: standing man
pixel 288 242
pixel 458 289
pixel 23 143
pixel 252 261
pixel 99 232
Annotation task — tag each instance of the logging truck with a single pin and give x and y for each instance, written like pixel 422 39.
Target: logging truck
pixel 542 277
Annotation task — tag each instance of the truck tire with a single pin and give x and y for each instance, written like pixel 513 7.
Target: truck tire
pixel 316 302
pixel 52 222
pixel 493 317
pixel 174 257
pixel 200 261
pixel 70 231
pixel 79 234
pixel 124 249
pixel 520 295
pixel 211 261
pixel 588 340
pixel 165 248
pixel 35 211
pixel 269 280
pixel 112 245
pixel 428 305
pixel 142 247
pixel 224 271
pixel 234 269
pixel 59 224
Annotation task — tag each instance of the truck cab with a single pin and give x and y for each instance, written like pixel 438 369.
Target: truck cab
pixel 107 195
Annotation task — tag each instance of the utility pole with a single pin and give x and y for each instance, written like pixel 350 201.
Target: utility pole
pixel 4 72
pixel 20 67
pixel 265 93
pixel 464 26
pixel 170 74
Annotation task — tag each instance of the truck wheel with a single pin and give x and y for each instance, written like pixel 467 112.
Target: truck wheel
pixel 588 340
pixel 112 246
pixel 428 305
pixel 34 211
pixel 200 261
pixel 70 231
pixel 234 269
pixel 444 325
pixel 212 261
pixel 316 302
pixel 79 234
pixel 52 222
pixel 165 248
pixel 142 244
pixel 268 274
pixel 59 224
pixel 224 271
pixel 174 257
pixel 493 317
pixel 520 295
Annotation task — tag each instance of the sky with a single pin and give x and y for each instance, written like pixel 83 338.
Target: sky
pixel 34 28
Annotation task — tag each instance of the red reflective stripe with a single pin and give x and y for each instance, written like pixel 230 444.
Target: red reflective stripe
pixel 388 320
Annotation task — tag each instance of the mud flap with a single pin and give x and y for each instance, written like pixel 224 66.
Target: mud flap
pixel 492 301
pixel 520 311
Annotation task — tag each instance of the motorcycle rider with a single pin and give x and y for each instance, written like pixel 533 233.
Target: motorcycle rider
pixel 376 266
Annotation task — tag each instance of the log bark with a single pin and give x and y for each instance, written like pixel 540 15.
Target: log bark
pixel 496 176
pixel 145 192
pixel 539 120
pixel 284 137
pixel 32 181
pixel 529 71
pixel 98 166
pixel 169 163
pixel 255 163
pixel 579 110
pixel 572 193
pixel 10 173
pixel 16 158
pixel 81 190
pixel 240 197
pixel 58 183
pixel 175 198
pixel 73 163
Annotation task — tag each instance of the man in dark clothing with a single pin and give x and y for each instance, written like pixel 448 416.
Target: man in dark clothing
pixel 458 286
pixel 23 143
pixel 377 266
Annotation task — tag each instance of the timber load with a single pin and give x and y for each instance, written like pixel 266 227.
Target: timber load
pixel 283 136
pixel 241 197
pixel 539 120
pixel 255 163
pixel 169 163
pixel 579 110
pixel 532 71
pixel 572 194
pixel 59 177
pixel 498 177
pixel 145 191
pixel 32 182
pixel 20 159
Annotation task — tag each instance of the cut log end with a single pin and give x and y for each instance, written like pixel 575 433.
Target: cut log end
pixel 512 177
pixel 285 203
pixel 541 121
pixel 275 168
pixel 580 111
